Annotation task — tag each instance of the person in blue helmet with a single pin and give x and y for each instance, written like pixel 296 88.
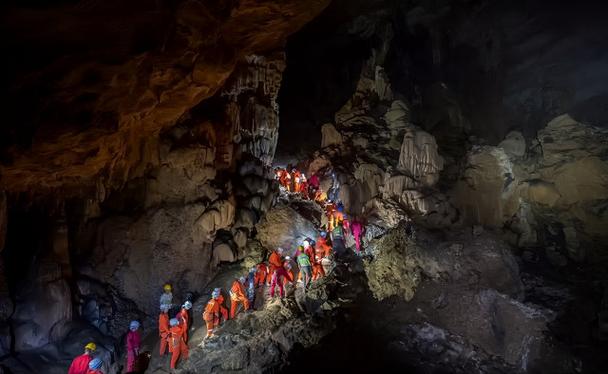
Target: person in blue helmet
pixel 95 366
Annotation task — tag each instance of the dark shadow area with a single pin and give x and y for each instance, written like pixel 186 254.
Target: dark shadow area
pixel 324 62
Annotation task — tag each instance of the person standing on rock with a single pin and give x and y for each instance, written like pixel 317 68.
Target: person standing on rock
pixel 184 318
pixel 357 229
pixel 163 329
pixel 238 296
pixel 304 265
pixel 177 345
pixel 80 365
pixel 279 274
pixel 214 311
pixel 94 366
pixel 133 345
pixel 166 298
pixel 262 275
pixel 337 240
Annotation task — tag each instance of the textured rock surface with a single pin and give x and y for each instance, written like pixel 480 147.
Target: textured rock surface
pixel 190 63
pixel 284 227
pixel 561 187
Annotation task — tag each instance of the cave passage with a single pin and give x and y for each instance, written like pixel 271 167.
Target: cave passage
pixel 256 186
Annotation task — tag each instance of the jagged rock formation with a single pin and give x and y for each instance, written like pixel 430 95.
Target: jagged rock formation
pixel 554 196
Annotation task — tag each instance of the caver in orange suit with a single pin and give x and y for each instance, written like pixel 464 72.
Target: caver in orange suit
pixel 297 179
pixel 237 296
pixel 275 261
pixel 184 319
pixel 177 345
pixel 163 331
pixel 285 179
pixel 214 312
pixel 262 275
pixel 335 219
pixel 322 249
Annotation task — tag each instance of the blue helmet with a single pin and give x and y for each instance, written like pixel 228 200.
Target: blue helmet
pixel 323 234
pixel 187 305
pixel 95 364
pixel 216 293
pixel 340 208
pixel 173 322
pixel 134 325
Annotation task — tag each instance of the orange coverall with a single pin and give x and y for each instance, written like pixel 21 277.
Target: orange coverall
pixel 262 275
pixel 163 331
pixel 237 296
pixel 177 344
pixel 183 317
pixel 213 311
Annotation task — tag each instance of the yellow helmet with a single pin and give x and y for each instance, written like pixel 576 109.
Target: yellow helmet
pixel 167 287
pixel 91 346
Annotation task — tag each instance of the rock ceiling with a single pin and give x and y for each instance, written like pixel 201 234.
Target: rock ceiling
pixel 91 91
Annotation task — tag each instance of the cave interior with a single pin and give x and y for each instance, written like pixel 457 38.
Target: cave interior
pixel 140 147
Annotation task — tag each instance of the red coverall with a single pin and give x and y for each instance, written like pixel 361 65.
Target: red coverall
pixel 177 345
pixel 133 345
pixel 80 365
pixel 237 296
pixel 163 331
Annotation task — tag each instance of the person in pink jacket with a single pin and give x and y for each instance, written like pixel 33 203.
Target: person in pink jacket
pixel 357 229
pixel 133 345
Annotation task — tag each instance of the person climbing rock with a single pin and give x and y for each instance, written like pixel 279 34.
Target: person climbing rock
pixel 166 298
pixel 177 344
pixel 94 366
pixel 305 266
pixel 238 296
pixel 289 270
pixel 304 187
pixel 286 180
pixel 308 245
pixel 133 345
pixel 337 240
pixel 262 275
pixel 214 312
pixel 80 364
pixel 320 196
pixel 296 179
pixel 163 329
pixel 322 247
pixel 357 229
pixel 184 318
pixel 275 260
pixel 337 217
pixel 279 274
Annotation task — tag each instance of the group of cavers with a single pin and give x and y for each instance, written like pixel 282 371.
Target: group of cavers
pixel 312 258
pixel 295 181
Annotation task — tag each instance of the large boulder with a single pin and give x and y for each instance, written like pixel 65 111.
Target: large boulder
pixel 284 227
